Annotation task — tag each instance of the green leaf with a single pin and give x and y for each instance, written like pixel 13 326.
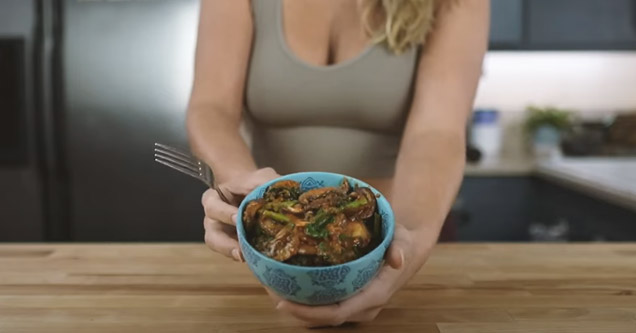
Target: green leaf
pixel 315 231
pixel 377 224
pixel 318 227
pixel 356 204
pixel 277 216
pixel 547 116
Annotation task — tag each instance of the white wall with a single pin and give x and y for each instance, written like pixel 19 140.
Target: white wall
pixel 585 81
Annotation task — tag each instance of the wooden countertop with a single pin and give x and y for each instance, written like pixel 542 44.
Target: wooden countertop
pixel 185 288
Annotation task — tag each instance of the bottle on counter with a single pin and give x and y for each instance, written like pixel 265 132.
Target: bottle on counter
pixel 486 132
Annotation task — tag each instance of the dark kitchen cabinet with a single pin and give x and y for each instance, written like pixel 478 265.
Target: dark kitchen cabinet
pixel 493 209
pixel 581 24
pixel 563 25
pixel 511 209
pixel 506 24
pixel 587 218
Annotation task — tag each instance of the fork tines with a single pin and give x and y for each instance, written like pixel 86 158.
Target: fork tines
pixel 178 160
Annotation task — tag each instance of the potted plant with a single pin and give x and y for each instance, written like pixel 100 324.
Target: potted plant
pixel 544 125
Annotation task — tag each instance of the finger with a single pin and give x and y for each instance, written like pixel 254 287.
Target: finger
pixel 260 177
pixel 374 296
pixel 221 238
pixel 357 308
pixel 218 210
pixel 314 316
pixel 395 256
pixel 266 174
pixel 273 296
pixel 366 315
pixel 243 186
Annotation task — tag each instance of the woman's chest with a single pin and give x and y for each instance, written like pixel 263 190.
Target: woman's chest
pixel 372 91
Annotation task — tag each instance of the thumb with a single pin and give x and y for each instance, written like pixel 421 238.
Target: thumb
pixel 246 183
pixel 395 256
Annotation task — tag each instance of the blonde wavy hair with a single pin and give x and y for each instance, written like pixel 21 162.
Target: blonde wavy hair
pixel 399 24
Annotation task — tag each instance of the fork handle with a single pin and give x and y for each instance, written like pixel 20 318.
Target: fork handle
pixel 221 195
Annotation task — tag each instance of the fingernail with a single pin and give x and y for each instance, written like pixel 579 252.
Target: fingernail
pixel 237 255
pixel 401 257
pixel 233 218
pixel 279 305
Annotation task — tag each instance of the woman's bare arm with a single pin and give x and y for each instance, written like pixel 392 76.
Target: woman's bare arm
pixel 214 115
pixel 214 112
pixel 432 156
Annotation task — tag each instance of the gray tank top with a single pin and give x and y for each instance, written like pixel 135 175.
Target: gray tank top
pixel 346 118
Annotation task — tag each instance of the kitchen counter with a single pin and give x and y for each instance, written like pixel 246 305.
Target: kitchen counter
pixel 613 180
pixel 500 167
pixel 581 288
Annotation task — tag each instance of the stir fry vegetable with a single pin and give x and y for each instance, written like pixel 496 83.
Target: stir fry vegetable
pixel 320 227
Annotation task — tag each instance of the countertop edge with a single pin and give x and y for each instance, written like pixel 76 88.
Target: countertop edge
pixel 590 187
pixel 550 172
pixel 505 167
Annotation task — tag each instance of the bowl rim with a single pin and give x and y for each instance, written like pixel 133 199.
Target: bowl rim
pixel 382 247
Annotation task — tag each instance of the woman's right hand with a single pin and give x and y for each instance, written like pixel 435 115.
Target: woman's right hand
pixel 220 217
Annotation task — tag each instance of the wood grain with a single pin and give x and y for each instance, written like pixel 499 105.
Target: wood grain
pixel 186 288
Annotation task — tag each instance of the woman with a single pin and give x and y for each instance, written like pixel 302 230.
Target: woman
pixel 376 89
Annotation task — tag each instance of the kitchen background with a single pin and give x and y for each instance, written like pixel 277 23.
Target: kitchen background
pixel 88 86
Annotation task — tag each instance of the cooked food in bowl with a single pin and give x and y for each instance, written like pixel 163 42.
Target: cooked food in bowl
pixel 288 203
pixel 319 227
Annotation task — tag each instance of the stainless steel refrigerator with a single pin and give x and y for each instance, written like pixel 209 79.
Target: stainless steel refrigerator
pixel 21 190
pixel 113 77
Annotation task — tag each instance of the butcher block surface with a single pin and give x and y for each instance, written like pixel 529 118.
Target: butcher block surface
pixel 186 288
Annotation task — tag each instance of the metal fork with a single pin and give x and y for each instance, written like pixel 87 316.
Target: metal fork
pixel 184 162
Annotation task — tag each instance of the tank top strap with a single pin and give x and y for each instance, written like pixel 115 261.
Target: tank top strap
pixel 265 14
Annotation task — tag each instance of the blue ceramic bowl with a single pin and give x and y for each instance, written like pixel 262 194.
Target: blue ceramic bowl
pixel 316 285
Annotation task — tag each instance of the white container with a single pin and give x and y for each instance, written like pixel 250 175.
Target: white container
pixel 486 132
pixel 546 142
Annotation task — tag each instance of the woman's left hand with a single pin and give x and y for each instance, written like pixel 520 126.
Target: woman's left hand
pixel 404 258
